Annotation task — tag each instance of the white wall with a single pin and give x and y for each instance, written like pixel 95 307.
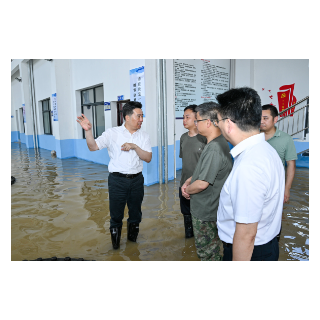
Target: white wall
pixel 68 77
pixel 43 89
pixel 151 100
pixel 242 72
pixel 16 101
pixel 271 74
pixel 113 74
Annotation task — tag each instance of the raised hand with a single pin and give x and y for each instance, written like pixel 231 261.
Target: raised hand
pixel 84 122
pixel 128 146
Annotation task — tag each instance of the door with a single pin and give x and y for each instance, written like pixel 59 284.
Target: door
pixel 120 105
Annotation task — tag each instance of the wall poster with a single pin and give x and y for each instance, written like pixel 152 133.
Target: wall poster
pixel 137 88
pixel 198 81
pixel 54 107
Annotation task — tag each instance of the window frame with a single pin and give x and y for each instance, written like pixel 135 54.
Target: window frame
pixel 43 113
pixel 93 110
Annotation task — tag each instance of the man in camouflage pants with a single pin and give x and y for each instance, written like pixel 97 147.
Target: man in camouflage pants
pixel 203 188
pixel 206 239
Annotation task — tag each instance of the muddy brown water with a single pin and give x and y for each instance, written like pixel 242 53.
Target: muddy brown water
pixel 60 208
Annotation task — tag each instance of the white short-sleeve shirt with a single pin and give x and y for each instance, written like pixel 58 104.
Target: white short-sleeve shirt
pixel 253 192
pixel 126 162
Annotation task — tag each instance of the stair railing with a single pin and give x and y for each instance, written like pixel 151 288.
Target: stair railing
pixel 288 121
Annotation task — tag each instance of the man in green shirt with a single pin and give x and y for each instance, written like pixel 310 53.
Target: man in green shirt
pixel 204 187
pixel 191 146
pixel 282 143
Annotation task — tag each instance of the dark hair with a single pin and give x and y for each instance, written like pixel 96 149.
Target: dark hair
pixel 127 109
pixel 192 107
pixel 273 110
pixel 243 105
pixel 208 110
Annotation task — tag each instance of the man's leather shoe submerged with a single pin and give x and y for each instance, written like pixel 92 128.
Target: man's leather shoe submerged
pixel 115 237
pixel 132 230
pixel 188 226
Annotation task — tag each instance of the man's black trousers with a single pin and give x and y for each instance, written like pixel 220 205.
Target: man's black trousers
pixel 184 204
pixel 265 252
pixel 124 191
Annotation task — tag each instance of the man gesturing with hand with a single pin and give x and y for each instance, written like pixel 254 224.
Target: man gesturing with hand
pixel 128 146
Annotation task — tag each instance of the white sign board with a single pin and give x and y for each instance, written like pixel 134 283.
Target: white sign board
pixel 137 88
pixel 198 81
pixel 54 107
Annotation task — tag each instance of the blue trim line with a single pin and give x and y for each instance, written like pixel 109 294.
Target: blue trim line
pixel 14 136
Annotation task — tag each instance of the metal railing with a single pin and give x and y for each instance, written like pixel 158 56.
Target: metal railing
pixel 292 122
pixel 304 152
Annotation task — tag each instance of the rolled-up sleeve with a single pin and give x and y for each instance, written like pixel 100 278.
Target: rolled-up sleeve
pixel 291 153
pixel 103 141
pixel 248 193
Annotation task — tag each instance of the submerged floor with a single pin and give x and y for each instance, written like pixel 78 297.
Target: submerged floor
pixel 60 208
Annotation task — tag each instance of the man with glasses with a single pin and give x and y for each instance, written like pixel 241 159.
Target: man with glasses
pixel 251 200
pixel 191 146
pixel 204 187
pixel 128 147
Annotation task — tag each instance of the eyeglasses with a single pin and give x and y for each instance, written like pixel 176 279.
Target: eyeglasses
pixel 196 121
pixel 217 121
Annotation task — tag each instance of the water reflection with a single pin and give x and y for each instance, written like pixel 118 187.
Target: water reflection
pixel 60 208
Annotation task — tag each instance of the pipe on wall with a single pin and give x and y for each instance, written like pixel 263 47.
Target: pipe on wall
pixel 35 108
pixel 162 120
pixel 159 108
pixel 33 105
pixel 165 119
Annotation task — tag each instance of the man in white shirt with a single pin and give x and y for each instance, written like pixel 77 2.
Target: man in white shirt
pixel 128 147
pixel 251 200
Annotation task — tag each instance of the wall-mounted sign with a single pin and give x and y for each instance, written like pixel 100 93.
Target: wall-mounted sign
pixel 107 106
pixel 120 98
pixel 137 88
pixel 54 107
pixel 24 112
pixel 198 81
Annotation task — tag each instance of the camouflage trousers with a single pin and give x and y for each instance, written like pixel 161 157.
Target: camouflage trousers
pixel 206 239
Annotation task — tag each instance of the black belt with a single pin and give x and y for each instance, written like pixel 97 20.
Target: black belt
pixel 128 176
pixel 226 244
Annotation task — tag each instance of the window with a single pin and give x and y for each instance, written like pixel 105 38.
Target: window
pixel 21 118
pixel 92 106
pixel 46 114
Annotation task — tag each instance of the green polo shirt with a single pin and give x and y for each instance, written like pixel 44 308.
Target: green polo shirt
pixel 214 166
pixel 284 145
pixel 190 151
